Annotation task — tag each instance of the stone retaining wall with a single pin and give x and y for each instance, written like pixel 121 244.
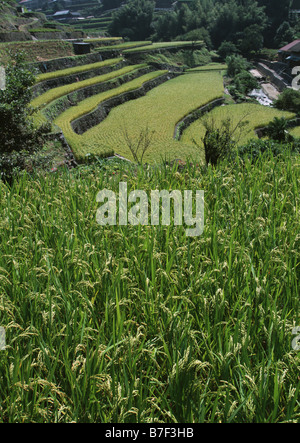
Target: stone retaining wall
pixel 189 119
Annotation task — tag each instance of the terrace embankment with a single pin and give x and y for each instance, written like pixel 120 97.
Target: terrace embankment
pixel 191 118
pixel 94 118
pixel 66 62
pixel 60 105
pixel 42 87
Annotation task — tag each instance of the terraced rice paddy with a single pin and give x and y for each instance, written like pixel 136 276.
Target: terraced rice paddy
pixel 209 67
pixel 165 45
pixel 55 93
pixel 86 106
pixel 142 324
pixel 256 115
pixel 127 45
pixel 295 131
pixel 160 110
pixel 76 70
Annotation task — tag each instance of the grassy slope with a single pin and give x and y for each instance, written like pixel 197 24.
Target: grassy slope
pixel 37 51
pixel 142 324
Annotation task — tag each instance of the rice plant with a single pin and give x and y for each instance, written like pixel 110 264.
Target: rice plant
pixel 164 45
pixel 76 70
pixel 142 324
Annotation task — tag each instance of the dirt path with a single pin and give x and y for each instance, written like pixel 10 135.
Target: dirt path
pixel 23 28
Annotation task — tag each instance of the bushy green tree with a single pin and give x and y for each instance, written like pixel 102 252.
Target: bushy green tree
pixel 226 49
pixel 111 4
pixel 17 133
pixel 252 40
pixel 15 124
pixel 284 35
pixel 235 65
pixel 277 129
pixel 277 12
pixel 134 20
pixel 245 82
pixel 289 100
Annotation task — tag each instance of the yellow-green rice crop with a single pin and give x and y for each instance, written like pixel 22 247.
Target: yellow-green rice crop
pixel 161 109
pixel 142 324
pixel 165 45
pixel 102 40
pixel 76 69
pixel 60 91
pixel 88 105
pixel 210 67
pixel 257 115
pixel 295 131
pixel 127 45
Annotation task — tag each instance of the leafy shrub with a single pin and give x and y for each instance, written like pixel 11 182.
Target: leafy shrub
pixel 245 82
pixel 289 100
pixel 254 148
pixel 226 49
pixel 235 65
pixel 17 133
pixel 277 129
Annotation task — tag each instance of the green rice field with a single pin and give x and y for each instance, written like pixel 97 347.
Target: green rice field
pixel 256 115
pixel 76 70
pixel 127 323
pixel 164 45
pixel 53 94
pixel 160 110
pixel 141 324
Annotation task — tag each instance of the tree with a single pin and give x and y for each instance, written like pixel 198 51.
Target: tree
pixel 245 82
pixel 15 126
pixel 221 140
pixel 277 12
pixel 252 40
pixel 17 133
pixel 284 35
pixel 138 146
pixel 226 49
pixel 235 65
pixel 134 20
pixel 277 129
pixel 111 4
pixel 289 100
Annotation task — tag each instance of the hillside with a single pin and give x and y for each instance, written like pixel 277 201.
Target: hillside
pixel 18 26
pixel 10 19
pixel 149 216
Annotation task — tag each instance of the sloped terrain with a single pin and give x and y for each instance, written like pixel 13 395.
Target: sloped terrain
pixel 80 100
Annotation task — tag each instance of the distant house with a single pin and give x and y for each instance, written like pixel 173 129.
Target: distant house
pixel 181 2
pixel 30 4
pixel 66 15
pixel 295 9
pixel 290 54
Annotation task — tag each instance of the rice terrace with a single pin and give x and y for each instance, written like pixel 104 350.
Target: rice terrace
pixel 125 127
